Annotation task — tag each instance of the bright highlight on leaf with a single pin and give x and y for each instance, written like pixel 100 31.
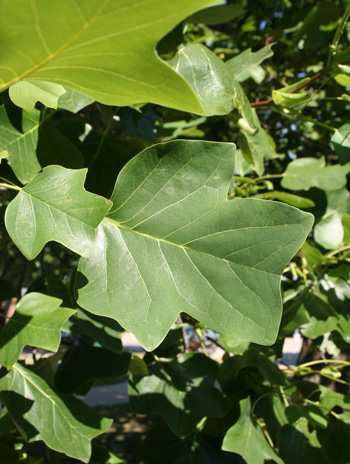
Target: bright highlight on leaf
pixel 173 242
pixel 25 94
pixel 89 46
pixel 55 206
pixel 37 322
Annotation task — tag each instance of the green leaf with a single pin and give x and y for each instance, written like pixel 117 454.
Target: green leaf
pixel 4 154
pixel 341 143
pixel 312 413
pixel 290 199
pixel 247 439
pixel 297 444
pixel 37 322
pixel 256 145
pixel 90 47
pixel 173 242
pixel 105 156
pixel 220 14
pixel 242 66
pixel 161 445
pixel 208 76
pixel 21 145
pixel 73 101
pixel 304 173
pixel 329 232
pixel 334 442
pixel 81 365
pixel 289 100
pixel 55 148
pixel 104 330
pixel 322 317
pixel 64 423
pixel 174 385
pixel 55 206
pixel 25 94
pixel 313 256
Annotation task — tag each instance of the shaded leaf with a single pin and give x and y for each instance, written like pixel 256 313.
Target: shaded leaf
pixel 304 173
pixel 247 439
pixel 220 14
pixel 64 423
pixel 242 65
pixel 341 143
pixel 25 94
pixel 256 145
pixel 173 243
pixel 208 76
pixel 81 365
pixel 104 330
pixel 161 445
pixel 73 101
pixel 329 232
pixel 322 317
pixel 21 145
pixel 180 390
pixel 90 47
pixel 297 444
pixel 55 148
pixel 335 442
pixel 37 322
pixel 55 206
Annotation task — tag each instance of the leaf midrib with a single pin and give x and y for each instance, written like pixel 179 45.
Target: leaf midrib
pixel 57 53
pixel 184 247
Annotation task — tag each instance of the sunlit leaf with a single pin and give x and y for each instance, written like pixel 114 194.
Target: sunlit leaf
pixel 25 94
pixel 208 76
pixel 37 322
pixel 55 206
pixel 173 242
pixel 304 173
pixel 90 47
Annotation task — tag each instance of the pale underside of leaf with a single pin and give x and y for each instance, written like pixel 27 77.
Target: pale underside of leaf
pixel 55 206
pixel 177 244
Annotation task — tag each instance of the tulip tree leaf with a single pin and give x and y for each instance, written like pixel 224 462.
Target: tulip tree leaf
pixel 173 385
pixel 173 242
pixel 247 439
pixel 21 145
pixel 55 206
pixel 83 364
pixel 243 64
pixel 208 76
pixel 64 423
pixel 73 101
pixel 329 232
pixel 104 330
pixel 25 94
pixel 341 143
pixel 37 322
pixel 304 173
pixel 90 46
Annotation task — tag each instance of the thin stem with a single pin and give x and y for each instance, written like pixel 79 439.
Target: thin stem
pixel 335 252
pixel 337 35
pixel 269 176
pixel 324 361
pixel 10 187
